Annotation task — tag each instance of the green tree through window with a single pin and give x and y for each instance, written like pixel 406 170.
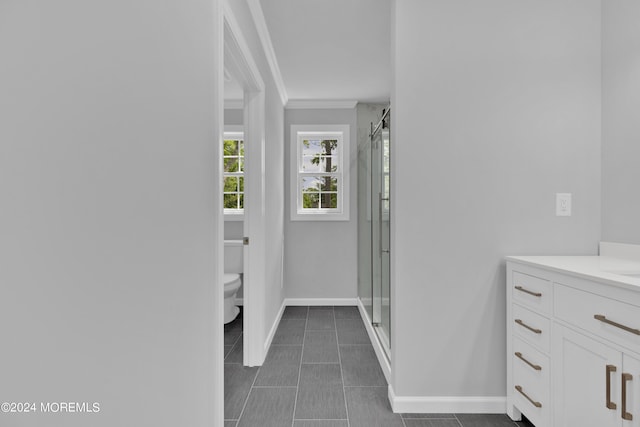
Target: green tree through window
pixel 321 191
pixel 320 172
pixel 233 186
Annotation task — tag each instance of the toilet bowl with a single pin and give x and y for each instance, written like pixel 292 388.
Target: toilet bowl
pixel 232 283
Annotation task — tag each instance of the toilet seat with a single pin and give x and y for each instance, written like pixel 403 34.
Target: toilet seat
pixel 231 281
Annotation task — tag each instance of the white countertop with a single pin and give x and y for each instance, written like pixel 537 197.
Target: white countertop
pixel 605 269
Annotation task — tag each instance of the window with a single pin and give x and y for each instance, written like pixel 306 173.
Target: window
pixel 233 175
pixel 320 172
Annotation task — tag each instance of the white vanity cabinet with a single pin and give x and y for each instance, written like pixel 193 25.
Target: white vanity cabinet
pixel 573 345
pixel 529 318
pixel 586 383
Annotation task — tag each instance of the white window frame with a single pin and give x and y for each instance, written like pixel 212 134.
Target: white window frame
pixel 342 134
pixel 234 132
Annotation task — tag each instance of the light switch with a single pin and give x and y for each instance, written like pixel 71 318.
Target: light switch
pixel 563 204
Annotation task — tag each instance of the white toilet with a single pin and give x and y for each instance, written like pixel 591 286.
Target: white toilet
pixel 232 277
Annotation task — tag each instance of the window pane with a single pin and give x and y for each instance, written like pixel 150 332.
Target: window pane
pixel 319 163
pixel 241 201
pixel 319 183
pixel 241 147
pixel 231 201
pixel 241 181
pixel 311 147
pixel 329 183
pixel 329 200
pixel 310 184
pixel 329 147
pixel 230 184
pixel 230 147
pixel 318 146
pixel 310 200
pixel 308 164
pixel 231 164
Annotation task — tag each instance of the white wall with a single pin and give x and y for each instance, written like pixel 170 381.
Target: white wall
pixel 233 116
pixel 330 246
pixel 274 161
pixel 107 162
pixel 495 108
pixel 620 124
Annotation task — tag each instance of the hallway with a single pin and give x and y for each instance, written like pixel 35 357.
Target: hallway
pixel 321 371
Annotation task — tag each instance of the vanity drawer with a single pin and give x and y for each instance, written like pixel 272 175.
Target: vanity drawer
pixel 526 401
pixel 532 327
pixel 532 291
pixel 532 378
pixel 610 319
pixel 531 390
pixel 530 364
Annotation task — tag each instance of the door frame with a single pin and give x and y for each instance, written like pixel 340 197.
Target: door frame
pixel 239 62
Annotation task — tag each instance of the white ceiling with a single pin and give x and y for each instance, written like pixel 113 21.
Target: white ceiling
pixel 332 49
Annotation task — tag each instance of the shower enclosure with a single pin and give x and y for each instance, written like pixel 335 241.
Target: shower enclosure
pixel 374 232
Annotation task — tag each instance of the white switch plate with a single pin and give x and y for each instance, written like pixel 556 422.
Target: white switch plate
pixel 563 204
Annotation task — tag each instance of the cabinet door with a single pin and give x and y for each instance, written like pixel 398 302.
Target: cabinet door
pixel 587 381
pixel 631 367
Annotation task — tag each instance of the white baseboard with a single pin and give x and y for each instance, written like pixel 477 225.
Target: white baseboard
pixel 274 328
pixel 384 362
pixel 447 404
pixel 321 301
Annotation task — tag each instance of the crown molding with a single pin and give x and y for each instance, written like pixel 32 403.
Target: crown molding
pixel 307 104
pixel 267 46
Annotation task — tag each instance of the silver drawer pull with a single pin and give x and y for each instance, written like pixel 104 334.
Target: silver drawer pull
pixel 527 291
pixel 533 402
pixel 603 319
pixel 519 356
pixel 521 323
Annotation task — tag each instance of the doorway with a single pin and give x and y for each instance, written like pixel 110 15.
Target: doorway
pixel 240 66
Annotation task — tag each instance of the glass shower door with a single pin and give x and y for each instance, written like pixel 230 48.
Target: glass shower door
pixel 381 232
pixel 364 227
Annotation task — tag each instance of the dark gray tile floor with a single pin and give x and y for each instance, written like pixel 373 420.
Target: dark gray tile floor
pixel 321 371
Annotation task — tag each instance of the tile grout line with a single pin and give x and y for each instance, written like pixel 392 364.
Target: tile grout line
pixel 239 339
pixel 295 401
pixel 274 386
pixel 248 394
pixel 236 421
pixel 344 391
pixel 254 387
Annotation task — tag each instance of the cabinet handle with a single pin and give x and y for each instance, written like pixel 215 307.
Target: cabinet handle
pixel 625 415
pixel 603 319
pixel 527 291
pixel 533 402
pixel 521 323
pixel 609 370
pixel 519 356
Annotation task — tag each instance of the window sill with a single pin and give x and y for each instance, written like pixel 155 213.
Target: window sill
pixel 319 217
pixel 233 216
